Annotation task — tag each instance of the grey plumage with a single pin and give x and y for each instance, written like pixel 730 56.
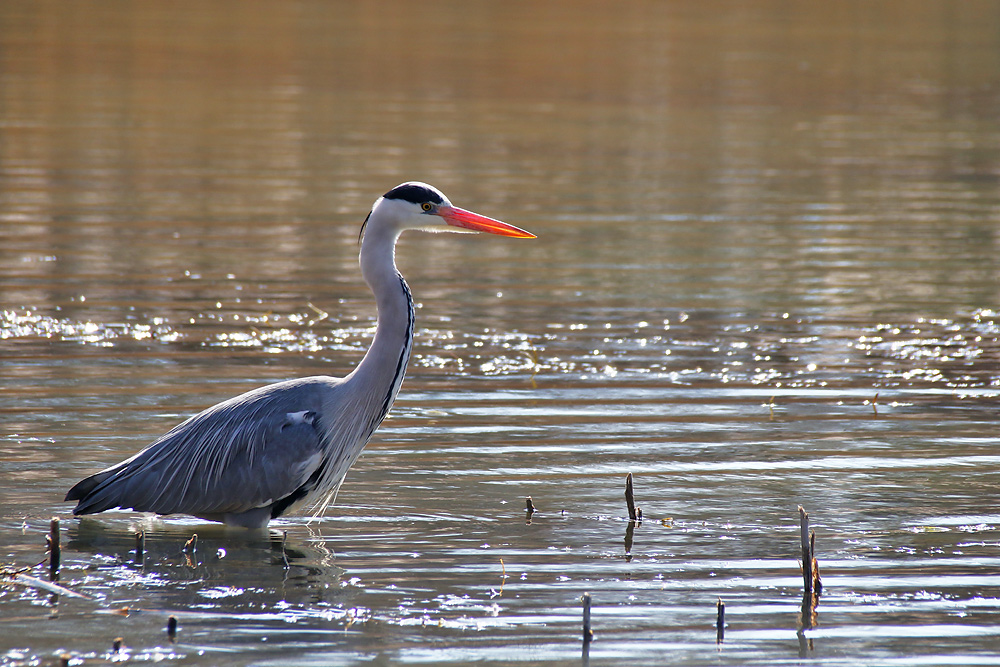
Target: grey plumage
pixel 275 449
pixel 249 454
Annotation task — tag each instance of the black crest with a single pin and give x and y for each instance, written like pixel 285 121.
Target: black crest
pixel 415 193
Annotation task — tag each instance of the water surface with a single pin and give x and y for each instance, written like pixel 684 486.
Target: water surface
pixel 765 276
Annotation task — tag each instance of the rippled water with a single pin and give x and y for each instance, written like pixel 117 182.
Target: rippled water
pixel 765 277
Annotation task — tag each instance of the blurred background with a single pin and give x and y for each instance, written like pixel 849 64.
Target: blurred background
pixel 766 274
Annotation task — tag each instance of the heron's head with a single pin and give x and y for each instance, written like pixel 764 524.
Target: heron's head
pixel 416 205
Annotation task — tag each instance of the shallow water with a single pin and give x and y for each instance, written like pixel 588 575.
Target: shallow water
pixel 765 276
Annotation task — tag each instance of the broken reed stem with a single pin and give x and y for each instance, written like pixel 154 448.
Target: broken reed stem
pixel 807 554
pixel 630 499
pixel 588 634
pixel 817 582
pixel 54 550
pixel 720 621
pixel 140 546
pixel 811 583
pixel 528 505
pixel 191 544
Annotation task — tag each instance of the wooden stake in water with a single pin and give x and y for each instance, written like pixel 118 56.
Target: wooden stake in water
pixel 116 645
pixel 588 634
pixel 172 628
pixel 54 549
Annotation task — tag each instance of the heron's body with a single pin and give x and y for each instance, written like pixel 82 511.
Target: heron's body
pixel 272 450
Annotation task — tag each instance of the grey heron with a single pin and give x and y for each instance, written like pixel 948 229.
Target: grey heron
pixel 286 445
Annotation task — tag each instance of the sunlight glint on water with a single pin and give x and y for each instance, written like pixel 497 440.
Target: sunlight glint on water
pixel 765 276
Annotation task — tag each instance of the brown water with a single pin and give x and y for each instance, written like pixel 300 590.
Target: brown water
pixel 766 275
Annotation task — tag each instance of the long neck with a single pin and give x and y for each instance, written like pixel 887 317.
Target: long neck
pixel 380 373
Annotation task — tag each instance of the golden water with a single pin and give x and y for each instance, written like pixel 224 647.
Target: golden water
pixel 766 275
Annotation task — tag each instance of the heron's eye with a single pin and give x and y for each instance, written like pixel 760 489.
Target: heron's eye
pixel 427 206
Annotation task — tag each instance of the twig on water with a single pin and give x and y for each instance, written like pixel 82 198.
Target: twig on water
pixel 34 582
pixel 874 403
pixel 320 314
pixel 535 367
pixel 503 578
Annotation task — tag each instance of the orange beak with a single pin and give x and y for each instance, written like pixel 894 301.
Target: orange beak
pixel 459 217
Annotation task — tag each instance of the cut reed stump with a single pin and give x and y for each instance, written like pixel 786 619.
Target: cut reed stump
pixel 588 633
pixel 720 621
pixel 812 585
pixel 55 554
pixel 807 556
pixel 634 516
pixel 634 513
pixel 811 582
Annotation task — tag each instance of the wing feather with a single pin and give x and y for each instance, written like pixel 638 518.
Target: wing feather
pixel 239 455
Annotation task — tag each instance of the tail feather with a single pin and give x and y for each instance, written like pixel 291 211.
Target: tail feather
pixel 82 490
